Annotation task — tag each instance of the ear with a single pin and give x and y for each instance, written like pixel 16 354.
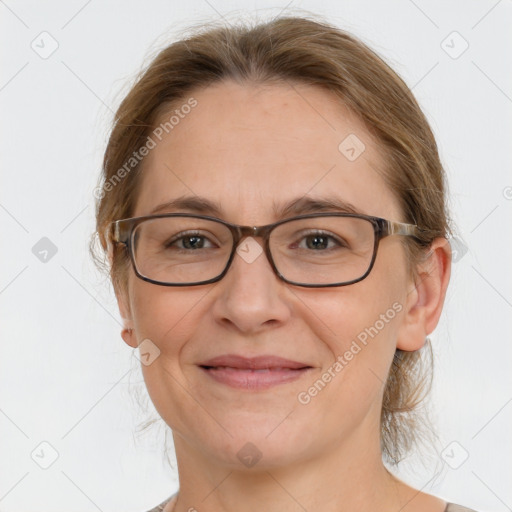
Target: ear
pixel 128 332
pixel 425 299
pixel 123 303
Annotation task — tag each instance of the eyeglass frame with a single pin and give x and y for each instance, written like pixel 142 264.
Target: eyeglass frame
pixel 123 229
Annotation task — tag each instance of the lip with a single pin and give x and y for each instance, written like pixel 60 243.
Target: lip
pixel 253 363
pixel 253 373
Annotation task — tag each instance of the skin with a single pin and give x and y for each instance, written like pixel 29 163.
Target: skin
pixel 247 147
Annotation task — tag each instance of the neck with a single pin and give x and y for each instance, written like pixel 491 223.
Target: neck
pixel 349 475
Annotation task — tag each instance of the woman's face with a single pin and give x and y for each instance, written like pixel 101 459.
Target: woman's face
pixel 249 149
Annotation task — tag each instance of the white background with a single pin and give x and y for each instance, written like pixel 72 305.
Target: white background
pixel 66 376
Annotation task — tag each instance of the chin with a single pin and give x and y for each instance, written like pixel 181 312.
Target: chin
pixel 259 444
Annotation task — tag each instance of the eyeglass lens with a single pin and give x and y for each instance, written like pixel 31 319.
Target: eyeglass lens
pixel 317 250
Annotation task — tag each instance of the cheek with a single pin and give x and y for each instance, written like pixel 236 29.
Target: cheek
pixel 358 325
pixel 165 315
pixel 360 345
pixel 365 311
pixel 168 318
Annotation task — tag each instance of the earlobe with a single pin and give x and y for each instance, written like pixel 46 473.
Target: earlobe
pixel 129 337
pixel 424 302
pixel 127 333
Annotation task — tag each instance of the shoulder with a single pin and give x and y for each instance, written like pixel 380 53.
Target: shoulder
pixel 160 508
pixel 452 507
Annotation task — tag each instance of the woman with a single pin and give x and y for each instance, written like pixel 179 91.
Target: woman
pixel 273 208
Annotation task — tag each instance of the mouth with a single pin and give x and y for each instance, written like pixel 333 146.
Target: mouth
pixel 257 373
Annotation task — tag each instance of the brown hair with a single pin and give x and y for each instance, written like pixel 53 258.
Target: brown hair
pixel 297 50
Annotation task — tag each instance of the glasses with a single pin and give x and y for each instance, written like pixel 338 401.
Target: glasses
pixel 314 250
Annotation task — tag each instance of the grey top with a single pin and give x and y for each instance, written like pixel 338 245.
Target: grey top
pixel 450 507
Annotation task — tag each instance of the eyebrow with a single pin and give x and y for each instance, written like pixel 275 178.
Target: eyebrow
pixel 298 206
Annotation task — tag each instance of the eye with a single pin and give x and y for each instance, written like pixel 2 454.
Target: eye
pixel 190 241
pixel 319 241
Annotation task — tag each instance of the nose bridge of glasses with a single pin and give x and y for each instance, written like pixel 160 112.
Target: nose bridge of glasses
pixel 250 252
pixel 252 231
pixel 241 233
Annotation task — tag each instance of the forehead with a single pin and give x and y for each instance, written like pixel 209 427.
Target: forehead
pixel 250 148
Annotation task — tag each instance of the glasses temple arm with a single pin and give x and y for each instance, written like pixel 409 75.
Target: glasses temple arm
pixel 402 228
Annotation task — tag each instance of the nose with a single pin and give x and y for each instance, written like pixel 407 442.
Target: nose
pixel 251 295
